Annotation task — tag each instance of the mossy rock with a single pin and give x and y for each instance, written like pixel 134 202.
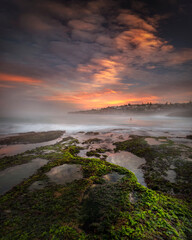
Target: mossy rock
pixel 90 208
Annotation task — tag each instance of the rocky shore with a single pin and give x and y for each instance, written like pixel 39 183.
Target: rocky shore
pixel 86 187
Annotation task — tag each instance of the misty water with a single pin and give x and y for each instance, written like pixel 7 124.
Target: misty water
pixel 156 125
pixel 109 128
pixel 149 125
pixel 12 176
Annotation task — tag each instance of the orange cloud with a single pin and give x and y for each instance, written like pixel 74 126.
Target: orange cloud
pixel 167 48
pixel 104 71
pixel 134 21
pixel 99 99
pixel 142 39
pixel 88 68
pixel 109 73
pixel 19 79
pixel 80 96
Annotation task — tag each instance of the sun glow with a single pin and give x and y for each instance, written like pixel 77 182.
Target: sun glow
pixel 107 97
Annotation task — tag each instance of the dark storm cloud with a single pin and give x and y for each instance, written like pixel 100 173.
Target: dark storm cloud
pixel 86 53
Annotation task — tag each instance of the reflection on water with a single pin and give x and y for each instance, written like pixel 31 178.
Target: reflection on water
pixel 112 177
pixel 108 138
pixel 129 161
pixel 124 159
pixel 65 173
pixel 11 150
pixel 12 176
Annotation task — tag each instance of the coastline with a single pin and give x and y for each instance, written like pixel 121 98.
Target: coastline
pixel 83 170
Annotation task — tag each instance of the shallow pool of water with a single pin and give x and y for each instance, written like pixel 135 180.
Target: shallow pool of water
pixel 129 161
pixel 10 150
pixel 65 173
pixel 12 176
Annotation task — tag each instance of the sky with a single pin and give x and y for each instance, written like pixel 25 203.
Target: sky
pixel 58 56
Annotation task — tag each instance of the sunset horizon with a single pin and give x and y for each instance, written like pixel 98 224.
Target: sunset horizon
pixel 74 55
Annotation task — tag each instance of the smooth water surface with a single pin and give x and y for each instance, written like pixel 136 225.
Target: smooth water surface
pixel 11 150
pixel 129 161
pixel 93 122
pixel 12 176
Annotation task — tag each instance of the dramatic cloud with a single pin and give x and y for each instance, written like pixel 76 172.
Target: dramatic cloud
pixel 89 54
pixel 19 79
pixel 133 21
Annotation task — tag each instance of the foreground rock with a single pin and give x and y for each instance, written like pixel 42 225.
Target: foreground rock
pixel 31 137
pixel 104 202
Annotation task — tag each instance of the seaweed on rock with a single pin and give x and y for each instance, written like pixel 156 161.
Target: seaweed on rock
pixel 90 208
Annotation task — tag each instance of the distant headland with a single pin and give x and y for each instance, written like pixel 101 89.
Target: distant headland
pixel 170 109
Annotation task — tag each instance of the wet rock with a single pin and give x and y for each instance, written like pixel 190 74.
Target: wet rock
pixel 112 177
pixel 152 141
pixel 37 185
pixel 171 176
pixel 132 197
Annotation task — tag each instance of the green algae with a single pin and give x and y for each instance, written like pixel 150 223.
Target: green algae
pixel 97 153
pixel 92 133
pixel 90 208
pixel 40 152
pixel 159 160
pixel 93 153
